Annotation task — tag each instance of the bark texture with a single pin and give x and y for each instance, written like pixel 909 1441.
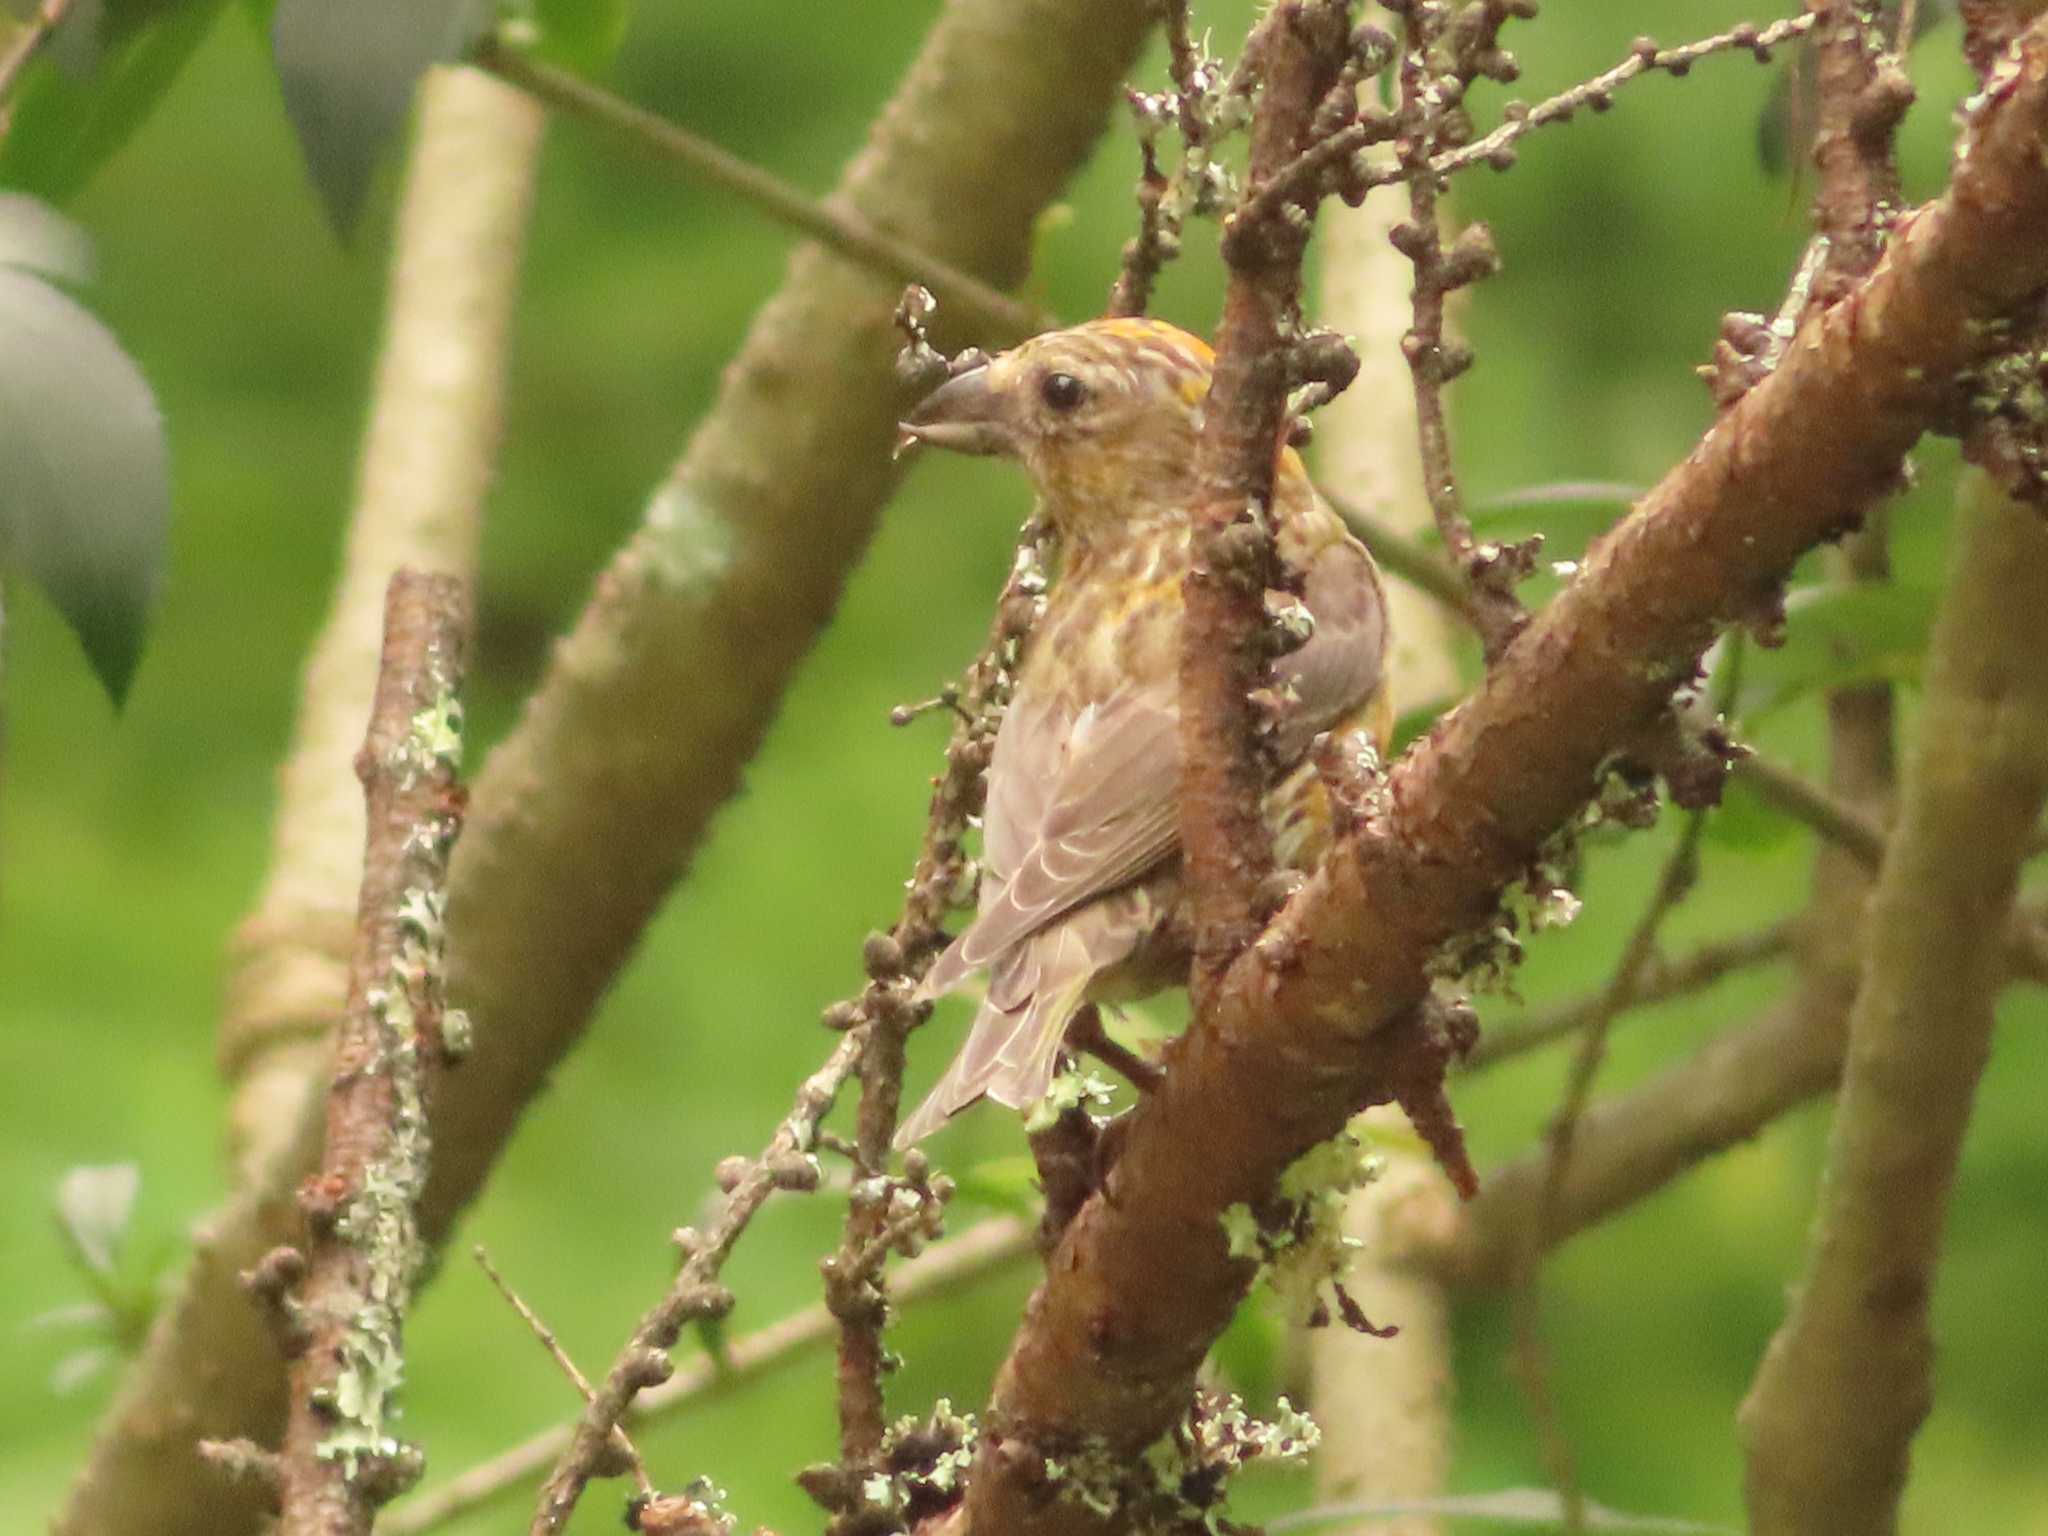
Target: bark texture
pixel 340 1458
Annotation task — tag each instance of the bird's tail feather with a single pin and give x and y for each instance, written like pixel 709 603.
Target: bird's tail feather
pixel 1012 1050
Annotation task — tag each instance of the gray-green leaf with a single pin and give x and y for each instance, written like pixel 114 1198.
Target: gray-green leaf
pixel 347 68
pixel 84 479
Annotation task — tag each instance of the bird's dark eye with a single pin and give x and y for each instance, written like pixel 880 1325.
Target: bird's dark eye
pixel 1062 391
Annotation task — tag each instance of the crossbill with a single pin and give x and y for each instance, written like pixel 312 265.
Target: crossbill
pixel 1081 897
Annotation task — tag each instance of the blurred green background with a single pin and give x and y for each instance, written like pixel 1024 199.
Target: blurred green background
pixel 132 845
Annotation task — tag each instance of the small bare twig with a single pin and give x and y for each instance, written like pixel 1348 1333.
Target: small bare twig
pixel 1497 148
pixel 943 1269
pixel 832 224
pixel 1659 981
pixel 1438 63
pixel 696 1294
pixel 1840 823
pixel 1165 201
pixel 1681 868
pixel 22 48
pixel 244 1461
pixel 623 1449
pixel 341 1458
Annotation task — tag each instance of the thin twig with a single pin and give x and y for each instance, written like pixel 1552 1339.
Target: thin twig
pixel 1497 148
pixel 340 1458
pixel 1433 80
pixel 945 1268
pixel 1804 801
pixel 1160 210
pixel 696 1294
pixel 1660 981
pixel 835 226
pixel 26 43
pixel 622 1446
pixel 1302 48
pixel 1680 869
pixel 895 962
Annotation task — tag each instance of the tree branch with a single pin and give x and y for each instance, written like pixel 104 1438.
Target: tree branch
pixel 340 1458
pixel 1296 1037
pixel 1659 982
pixel 1225 642
pixel 1829 1422
pixel 833 223
pixel 1631 1145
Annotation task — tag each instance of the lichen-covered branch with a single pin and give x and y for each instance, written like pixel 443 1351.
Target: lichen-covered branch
pixel 428 457
pixel 1296 1036
pixel 585 816
pixel 1830 1420
pixel 341 1456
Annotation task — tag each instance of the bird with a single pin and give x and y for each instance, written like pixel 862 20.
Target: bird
pixel 1081 898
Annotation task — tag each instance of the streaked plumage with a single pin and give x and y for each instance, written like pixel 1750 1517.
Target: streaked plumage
pixel 1081 891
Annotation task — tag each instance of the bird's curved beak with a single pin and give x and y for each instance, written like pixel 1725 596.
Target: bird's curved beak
pixel 965 414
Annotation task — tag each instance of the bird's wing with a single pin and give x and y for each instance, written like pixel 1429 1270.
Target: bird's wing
pixel 1077 809
pixel 1344 661
pixel 1071 815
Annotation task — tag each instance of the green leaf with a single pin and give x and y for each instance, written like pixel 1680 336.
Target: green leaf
pixel 84 482
pixel 65 128
pixel 582 35
pixel 347 68
pixel 1837 636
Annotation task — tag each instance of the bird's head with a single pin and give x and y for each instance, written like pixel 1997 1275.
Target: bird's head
pixel 1103 417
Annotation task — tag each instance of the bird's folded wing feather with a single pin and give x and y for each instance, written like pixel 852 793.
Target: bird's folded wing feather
pixel 1101 811
pixel 1344 661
